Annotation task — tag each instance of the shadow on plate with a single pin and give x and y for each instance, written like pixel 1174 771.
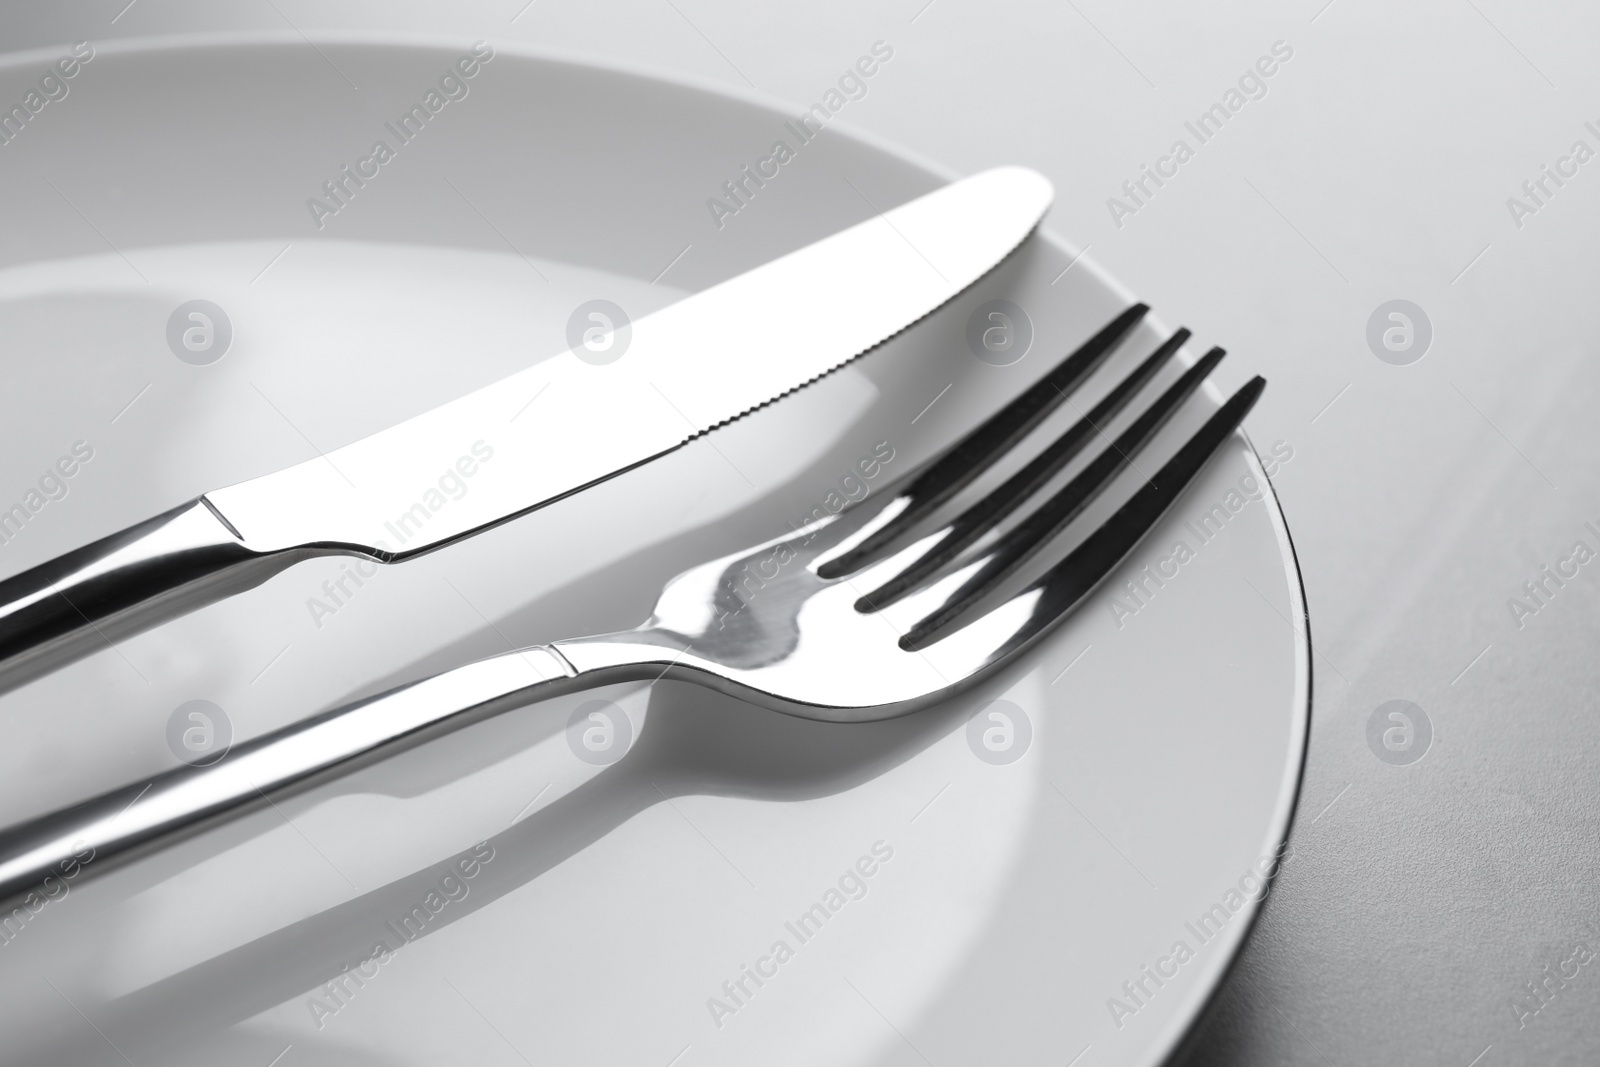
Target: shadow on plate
pixel 694 743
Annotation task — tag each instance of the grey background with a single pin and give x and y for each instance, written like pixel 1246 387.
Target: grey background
pixel 1420 898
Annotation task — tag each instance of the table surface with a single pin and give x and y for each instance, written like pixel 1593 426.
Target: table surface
pixel 1383 159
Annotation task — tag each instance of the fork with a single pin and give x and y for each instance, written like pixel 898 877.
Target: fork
pixel 818 639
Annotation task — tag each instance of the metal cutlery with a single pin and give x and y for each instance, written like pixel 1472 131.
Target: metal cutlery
pixel 688 368
pixel 864 616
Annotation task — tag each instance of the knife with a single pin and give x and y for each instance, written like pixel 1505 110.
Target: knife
pixel 536 436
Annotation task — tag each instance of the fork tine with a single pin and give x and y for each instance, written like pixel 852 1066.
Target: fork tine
pixel 1033 533
pixel 1018 546
pixel 1064 585
pixel 970 456
pixel 992 509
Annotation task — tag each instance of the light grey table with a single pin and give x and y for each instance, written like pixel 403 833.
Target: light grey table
pixel 1385 158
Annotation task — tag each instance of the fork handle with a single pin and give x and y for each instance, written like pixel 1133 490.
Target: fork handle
pixel 39 856
pixel 120 585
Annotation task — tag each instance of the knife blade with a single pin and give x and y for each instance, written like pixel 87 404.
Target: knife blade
pixel 536 436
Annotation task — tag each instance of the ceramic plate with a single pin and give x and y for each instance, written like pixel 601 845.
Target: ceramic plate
pixel 1056 867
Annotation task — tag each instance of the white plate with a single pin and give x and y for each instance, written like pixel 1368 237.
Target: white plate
pixel 1166 743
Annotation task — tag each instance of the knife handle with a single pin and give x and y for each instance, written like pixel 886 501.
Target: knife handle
pixel 39 857
pixel 120 585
